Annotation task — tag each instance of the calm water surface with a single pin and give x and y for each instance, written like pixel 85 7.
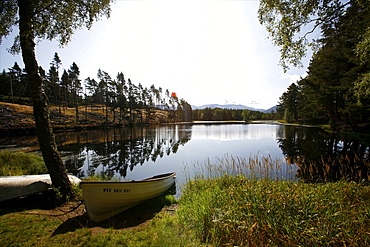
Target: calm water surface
pixel 142 152
pixel 136 153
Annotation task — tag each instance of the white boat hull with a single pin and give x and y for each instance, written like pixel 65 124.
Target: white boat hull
pixel 104 199
pixel 12 187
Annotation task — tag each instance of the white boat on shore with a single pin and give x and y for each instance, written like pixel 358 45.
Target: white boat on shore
pixel 12 187
pixel 104 199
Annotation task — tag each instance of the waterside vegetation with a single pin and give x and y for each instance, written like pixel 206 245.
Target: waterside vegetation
pixel 237 211
pixel 19 163
pixel 233 202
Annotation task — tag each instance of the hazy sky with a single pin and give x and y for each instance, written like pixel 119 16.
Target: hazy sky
pixel 207 51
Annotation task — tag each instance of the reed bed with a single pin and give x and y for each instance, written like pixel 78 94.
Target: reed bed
pixel 255 167
pixel 328 169
pixel 235 203
pixel 227 202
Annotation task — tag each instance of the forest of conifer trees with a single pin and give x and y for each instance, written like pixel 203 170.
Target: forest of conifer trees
pixel 125 101
pixel 336 88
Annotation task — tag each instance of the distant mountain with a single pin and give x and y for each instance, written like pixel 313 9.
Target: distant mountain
pixel 271 109
pixel 228 106
pixel 233 106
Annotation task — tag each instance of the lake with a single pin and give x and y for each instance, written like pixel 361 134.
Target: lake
pixel 134 153
pixel 188 149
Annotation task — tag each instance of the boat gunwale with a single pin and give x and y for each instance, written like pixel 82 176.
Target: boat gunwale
pixel 146 180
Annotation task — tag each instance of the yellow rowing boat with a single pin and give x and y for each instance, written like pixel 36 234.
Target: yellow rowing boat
pixel 104 199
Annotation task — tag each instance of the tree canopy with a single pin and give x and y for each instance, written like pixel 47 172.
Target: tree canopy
pixel 290 23
pixel 336 89
pixel 53 20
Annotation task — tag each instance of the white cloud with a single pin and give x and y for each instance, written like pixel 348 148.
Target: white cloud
pixel 292 78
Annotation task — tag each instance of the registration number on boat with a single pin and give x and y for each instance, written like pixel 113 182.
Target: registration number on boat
pixel 109 190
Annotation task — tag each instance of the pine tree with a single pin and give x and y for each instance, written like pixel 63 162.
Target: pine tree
pixel 74 73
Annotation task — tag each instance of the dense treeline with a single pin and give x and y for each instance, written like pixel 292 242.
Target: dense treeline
pixel 218 114
pixel 336 90
pixel 124 100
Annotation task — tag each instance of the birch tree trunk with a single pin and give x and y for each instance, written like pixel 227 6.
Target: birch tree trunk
pixel 53 161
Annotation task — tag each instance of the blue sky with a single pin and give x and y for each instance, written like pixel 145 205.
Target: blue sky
pixel 207 51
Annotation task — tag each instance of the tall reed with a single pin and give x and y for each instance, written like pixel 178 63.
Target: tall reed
pixel 254 167
pixel 258 208
pixel 349 167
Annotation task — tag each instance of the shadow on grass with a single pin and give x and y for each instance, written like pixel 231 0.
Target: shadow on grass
pixel 130 218
pixel 77 217
pixel 43 200
pixel 127 219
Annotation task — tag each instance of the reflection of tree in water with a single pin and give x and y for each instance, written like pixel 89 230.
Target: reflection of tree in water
pixel 118 150
pixel 323 157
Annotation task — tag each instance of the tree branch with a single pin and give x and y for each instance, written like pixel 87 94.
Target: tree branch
pixel 319 21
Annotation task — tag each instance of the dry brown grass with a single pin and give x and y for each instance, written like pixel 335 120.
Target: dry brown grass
pixel 26 109
pixel 16 116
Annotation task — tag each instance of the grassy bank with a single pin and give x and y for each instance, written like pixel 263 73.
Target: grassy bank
pixel 235 211
pixel 18 163
pixel 224 211
pixel 214 210
pixel 48 227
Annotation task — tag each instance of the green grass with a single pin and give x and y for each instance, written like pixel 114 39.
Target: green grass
pixel 37 228
pixel 223 211
pixel 99 177
pixel 18 163
pixel 218 207
pixel 235 211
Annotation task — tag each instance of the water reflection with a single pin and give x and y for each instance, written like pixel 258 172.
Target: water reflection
pixel 141 152
pixel 136 153
pixel 323 157
pixel 230 132
pixel 115 151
